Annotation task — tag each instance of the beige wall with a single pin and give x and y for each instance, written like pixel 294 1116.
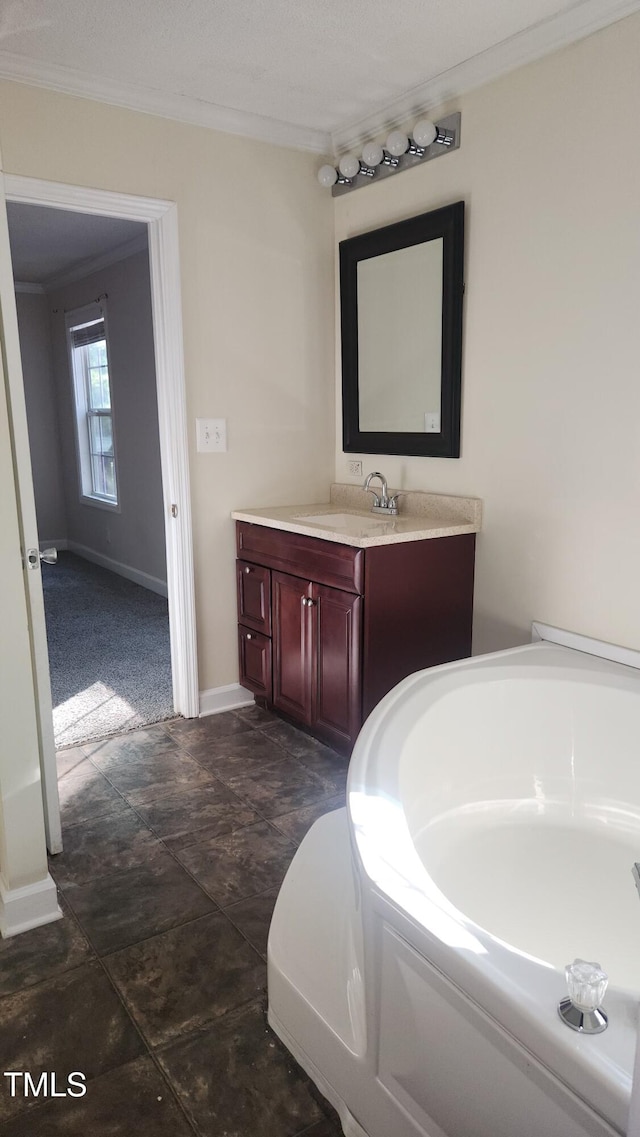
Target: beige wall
pixel 551 401
pixel 550 173
pixel 257 288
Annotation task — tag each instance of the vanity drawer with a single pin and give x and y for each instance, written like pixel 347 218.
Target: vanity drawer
pixel 254 651
pixel 254 596
pixel 327 562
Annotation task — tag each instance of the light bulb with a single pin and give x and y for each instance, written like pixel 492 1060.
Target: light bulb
pixel 397 143
pixel 424 133
pixel 372 154
pixel 349 165
pixel 327 176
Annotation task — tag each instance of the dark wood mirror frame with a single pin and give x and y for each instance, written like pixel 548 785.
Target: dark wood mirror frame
pixel 446 223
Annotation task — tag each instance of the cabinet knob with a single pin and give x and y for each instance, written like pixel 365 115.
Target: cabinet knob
pixel 248 636
pixel 247 568
pixel 307 602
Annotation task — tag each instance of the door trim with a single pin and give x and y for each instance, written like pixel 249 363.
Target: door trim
pixel 161 218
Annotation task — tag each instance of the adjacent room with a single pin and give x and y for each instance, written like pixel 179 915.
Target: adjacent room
pixel 320 659
pixel 86 336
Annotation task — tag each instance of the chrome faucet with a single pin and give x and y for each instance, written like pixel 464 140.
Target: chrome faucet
pixel 382 503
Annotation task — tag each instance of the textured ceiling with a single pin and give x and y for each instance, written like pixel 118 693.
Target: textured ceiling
pixel 47 243
pixel 319 66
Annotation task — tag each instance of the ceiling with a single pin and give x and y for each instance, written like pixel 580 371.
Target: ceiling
pixel 53 246
pixel 297 72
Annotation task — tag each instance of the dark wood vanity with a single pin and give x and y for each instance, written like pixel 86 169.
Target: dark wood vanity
pixel 326 629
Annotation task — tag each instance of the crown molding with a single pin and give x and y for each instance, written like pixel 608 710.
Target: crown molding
pixel 533 43
pixel 90 265
pixel 579 21
pixel 181 108
pixel 27 286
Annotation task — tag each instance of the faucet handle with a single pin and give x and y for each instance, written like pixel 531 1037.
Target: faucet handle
pixel 393 500
pixel 586 984
pixel 580 1009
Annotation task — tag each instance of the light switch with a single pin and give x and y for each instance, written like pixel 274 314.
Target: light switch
pixel 211 435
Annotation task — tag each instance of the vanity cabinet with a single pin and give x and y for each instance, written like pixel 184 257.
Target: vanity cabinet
pixel 326 629
pixel 316 655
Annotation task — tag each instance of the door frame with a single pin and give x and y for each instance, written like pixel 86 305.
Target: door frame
pixel 161 218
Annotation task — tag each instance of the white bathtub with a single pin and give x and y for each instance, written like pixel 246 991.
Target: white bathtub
pixel 417 950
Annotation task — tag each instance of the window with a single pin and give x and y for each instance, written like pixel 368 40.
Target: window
pixel 88 350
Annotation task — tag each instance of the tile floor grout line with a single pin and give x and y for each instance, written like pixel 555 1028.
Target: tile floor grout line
pixel 148 1048
pixel 153 1052
pixel 244 801
pixel 187 1035
pixel 270 822
pixel 300 758
pixel 215 776
pixel 138 1029
pixel 287 754
pixel 144 938
pixel 171 852
pixel 334 792
pixel 227 909
pixel 174 928
pixel 166 848
pixel 51 978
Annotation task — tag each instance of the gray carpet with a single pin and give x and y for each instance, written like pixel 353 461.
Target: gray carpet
pixel 109 651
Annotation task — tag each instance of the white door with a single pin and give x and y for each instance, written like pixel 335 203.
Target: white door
pixel 28 535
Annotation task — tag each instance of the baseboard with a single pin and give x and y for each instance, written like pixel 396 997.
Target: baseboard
pixel 60 543
pixel 219 699
pixel 138 577
pixel 28 907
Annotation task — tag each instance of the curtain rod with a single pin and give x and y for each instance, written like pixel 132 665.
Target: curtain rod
pixel 102 296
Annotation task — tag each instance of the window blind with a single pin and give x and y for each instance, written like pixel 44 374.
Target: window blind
pixel 86 334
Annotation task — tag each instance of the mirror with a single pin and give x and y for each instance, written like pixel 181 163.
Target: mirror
pixel 401 308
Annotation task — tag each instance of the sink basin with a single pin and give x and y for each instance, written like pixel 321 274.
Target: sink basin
pixel 347 522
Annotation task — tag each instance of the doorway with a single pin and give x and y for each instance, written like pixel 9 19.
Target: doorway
pixel 83 299
pixel 159 219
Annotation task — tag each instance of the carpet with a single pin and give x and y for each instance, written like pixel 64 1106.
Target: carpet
pixel 109 652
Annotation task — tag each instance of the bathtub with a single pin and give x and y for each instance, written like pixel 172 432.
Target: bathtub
pixel 417 949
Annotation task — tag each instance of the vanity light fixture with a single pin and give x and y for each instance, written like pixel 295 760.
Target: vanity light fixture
pixel 400 152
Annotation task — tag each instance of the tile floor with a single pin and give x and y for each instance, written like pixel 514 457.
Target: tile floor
pixel 176 840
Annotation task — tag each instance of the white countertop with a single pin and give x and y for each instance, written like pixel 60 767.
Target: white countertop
pixel 347 518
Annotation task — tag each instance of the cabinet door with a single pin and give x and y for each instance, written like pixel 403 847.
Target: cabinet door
pixel 254 600
pixel 336 706
pixel 292 645
pixel 255 662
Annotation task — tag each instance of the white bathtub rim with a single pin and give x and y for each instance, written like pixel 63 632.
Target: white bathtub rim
pixel 549 661
pixel 519 991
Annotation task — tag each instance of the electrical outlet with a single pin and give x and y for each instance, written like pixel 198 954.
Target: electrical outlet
pixel 211 435
pixel 354 468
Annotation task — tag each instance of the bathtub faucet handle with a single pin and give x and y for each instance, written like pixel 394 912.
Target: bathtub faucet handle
pixel 581 1009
